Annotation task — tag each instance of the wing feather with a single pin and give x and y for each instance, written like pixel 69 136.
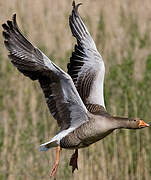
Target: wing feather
pixel 86 66
pixel 62 98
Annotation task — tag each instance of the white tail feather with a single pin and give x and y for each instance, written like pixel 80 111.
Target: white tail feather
pixel 48 145
pixel 55 141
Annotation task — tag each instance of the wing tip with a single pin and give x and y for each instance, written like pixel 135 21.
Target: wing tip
pixel 5 27
pixel 14 19
pixel 10 24
pixel 76 6
pixel 8 27
pixel 14 16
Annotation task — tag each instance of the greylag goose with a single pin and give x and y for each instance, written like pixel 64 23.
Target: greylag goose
pixel 75 99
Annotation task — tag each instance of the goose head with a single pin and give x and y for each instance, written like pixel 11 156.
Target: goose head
pixel 129 123
pixel 136 123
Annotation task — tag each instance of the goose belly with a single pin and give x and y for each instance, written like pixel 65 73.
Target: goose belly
pixel 83 136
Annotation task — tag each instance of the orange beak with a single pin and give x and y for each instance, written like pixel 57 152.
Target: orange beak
pixel 142 124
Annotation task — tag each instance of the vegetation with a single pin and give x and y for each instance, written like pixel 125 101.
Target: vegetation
pixel 121 30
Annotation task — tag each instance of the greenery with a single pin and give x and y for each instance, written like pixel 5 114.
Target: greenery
pixel 122 34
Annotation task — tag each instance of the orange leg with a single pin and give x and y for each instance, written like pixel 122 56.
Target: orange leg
pixel 55 167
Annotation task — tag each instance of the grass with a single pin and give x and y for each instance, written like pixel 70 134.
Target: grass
pixel 122 34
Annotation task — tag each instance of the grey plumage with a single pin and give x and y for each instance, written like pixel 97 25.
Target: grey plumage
pixel 86 66
pixel 75 99
pixel 61 95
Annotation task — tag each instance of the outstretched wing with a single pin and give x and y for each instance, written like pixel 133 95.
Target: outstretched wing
pixel 61 95
pixel 86 66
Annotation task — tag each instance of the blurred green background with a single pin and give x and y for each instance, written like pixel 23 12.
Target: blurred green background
pixel 122 32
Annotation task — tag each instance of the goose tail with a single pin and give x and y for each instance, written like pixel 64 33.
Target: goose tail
pixel 48 145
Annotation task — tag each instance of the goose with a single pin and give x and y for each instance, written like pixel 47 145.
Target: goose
pixel 75 99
